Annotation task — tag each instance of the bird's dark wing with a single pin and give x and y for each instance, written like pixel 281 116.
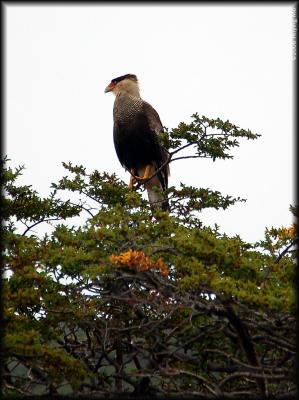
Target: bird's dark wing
pixel 152 117
pixel 155 125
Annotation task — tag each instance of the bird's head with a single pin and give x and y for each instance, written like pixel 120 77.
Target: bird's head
pixel 124 84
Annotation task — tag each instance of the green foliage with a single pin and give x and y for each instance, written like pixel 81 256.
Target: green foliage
pixel 145 303
pixel 210 138
pixel 22 203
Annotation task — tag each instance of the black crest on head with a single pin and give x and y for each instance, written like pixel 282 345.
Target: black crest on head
pixel 127 76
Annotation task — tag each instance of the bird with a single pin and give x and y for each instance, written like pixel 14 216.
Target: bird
pixel 136 129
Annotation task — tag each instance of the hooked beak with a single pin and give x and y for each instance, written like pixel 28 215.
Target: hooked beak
pixel 109 87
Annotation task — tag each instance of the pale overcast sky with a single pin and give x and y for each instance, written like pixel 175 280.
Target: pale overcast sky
pixel 229 61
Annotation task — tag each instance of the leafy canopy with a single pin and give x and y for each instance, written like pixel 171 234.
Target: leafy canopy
pixel 139 301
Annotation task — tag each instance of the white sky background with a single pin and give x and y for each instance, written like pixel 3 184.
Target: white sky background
pixel 232 62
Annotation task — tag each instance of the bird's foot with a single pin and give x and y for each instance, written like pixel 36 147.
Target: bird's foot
pixel 135 178
pixel 132 181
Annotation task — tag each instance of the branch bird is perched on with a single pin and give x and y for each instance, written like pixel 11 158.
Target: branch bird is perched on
pixel 135 133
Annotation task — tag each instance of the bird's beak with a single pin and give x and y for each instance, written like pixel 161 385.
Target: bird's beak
pixel 109 87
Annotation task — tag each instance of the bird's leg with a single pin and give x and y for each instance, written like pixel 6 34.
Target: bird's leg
pixel 146 175
pixel 132 179
pixel 131 183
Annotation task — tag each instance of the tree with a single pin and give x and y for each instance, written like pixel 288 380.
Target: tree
pixel 142 302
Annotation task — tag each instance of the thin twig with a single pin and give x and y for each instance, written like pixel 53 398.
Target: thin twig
pixel 39 222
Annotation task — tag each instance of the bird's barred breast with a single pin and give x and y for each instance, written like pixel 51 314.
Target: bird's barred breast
pixel 126 108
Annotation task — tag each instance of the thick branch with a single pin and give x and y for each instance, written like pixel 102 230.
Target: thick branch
pixel 247 345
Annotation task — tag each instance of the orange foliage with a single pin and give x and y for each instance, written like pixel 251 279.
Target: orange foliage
pixel 285 233
pixel 139 261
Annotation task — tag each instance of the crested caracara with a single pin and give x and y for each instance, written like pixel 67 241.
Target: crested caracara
pixel 135 133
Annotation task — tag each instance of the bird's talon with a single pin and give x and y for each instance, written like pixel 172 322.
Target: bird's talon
pixel 132 181
pixel 139 178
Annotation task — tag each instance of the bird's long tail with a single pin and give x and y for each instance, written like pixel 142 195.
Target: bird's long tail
pixel 156 196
